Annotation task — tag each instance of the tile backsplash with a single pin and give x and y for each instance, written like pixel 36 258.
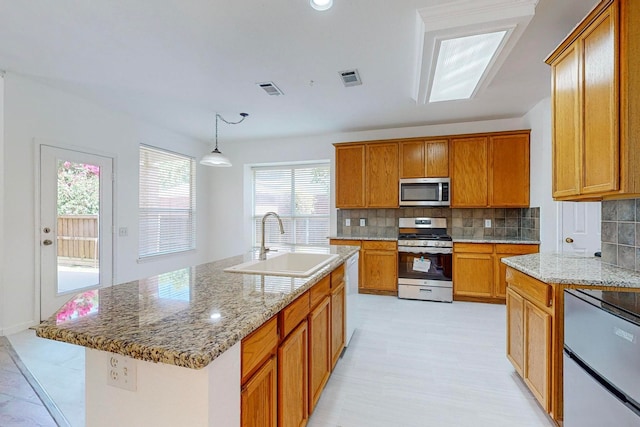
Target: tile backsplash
pixel 505 223
pixel 621 233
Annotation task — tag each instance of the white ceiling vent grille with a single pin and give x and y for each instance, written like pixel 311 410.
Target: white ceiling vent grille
pixel 350 78
pixel 270 88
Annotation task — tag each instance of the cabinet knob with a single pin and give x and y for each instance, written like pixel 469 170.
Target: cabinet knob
pixel 568 240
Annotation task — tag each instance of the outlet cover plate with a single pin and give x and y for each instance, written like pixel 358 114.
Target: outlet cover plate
pixel 363 222
pixel 122 372
pixel 487 223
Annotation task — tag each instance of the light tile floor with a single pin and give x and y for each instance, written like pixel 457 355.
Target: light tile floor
pixel 410 364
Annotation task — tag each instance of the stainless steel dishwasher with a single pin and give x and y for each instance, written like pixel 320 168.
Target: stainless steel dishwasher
pixel 601 359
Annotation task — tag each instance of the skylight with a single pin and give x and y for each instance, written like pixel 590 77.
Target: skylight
pixel 461 63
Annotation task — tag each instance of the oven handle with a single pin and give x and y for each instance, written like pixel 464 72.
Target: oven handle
pixel 423 250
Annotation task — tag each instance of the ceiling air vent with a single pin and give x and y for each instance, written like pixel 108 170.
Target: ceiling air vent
pixel 270 88
pixel 350 78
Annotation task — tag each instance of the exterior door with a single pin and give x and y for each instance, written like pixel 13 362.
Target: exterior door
pixel 581 227
pixel 76 223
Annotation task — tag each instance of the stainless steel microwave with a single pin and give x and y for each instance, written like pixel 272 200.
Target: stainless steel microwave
pixel 424 191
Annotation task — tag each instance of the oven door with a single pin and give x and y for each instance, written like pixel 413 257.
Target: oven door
pixel 425 263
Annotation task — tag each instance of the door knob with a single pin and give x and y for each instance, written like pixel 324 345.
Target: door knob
pixel 47 242
pixel 568 240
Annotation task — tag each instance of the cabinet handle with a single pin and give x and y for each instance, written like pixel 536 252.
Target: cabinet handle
pixel 47 242
pixel 568 240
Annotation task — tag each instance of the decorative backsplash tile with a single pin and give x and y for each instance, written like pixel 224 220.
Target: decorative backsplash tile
pixel 505 223
pixel 621 233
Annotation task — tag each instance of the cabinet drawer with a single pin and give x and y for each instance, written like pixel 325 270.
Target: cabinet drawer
pixel 258 346
pixel 337 276
pixel 534 290
pixel 503 248
pixel 478 248
pixel 293 314
pixel 319 291
pixel 341 242
pixel 379 244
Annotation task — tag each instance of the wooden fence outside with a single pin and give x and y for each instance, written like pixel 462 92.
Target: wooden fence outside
pixel 78 240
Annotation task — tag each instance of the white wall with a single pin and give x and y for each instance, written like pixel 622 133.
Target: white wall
pixel 2 239
pixel 231 201
pixel 539 120
pixel 37 113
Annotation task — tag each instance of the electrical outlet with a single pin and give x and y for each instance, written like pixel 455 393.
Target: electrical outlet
pixel 347 222
pixel 487 223
pixel 363 222
pixel 122 372
pixel 123 231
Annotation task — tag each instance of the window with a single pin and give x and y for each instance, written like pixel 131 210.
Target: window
pixel 167 205
pixel 299 194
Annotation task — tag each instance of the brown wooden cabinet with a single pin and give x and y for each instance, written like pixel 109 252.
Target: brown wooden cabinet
pixel 490 170
pixel 259 397
pixel 424 159
pixel 350 176
pixel 479 274
pixel 293 390
pixel 533 329
pixel 379 267
pixel 595 104
pixel 382 175
pixel 319 349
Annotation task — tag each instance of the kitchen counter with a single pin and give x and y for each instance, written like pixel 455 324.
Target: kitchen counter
pixel 388 238
pixel 187 317
pixel 509 241
pixel 573 270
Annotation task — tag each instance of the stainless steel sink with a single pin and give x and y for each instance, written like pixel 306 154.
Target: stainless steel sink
pixel 292 264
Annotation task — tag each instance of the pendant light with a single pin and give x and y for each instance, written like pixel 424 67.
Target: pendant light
pixel 216 158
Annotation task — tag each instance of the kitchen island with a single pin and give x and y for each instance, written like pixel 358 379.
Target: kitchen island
pixel 535 315
pixel 175 340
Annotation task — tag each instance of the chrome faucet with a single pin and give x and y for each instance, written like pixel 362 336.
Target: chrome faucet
pixel 263 250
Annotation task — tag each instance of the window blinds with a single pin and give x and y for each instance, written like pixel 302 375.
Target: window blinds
pixel 299 194
pixel 167 203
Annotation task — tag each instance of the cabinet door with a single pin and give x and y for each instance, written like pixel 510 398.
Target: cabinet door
pixel 350 176
pixel 472 274
pixel 319 350
pixel 337 323
pixel 293 391
pixel 601 106
pixel 259 397
pixel 515 330
pixel 437 158
pixel 566 123
pixel 509 170
pixel 380 271
pixel 382 175
pixel 537 353
pixel 469 172
pixel 412 159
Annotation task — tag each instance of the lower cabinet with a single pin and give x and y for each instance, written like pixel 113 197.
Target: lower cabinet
pixel 379 267
pixel 531 328
pixel 479 274
pixel 292 378
pixel 287 362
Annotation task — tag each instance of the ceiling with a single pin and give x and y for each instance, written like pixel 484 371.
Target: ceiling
pixel 176 63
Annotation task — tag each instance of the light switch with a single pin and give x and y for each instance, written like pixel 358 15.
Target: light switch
pixel 487 223
pixel 363 222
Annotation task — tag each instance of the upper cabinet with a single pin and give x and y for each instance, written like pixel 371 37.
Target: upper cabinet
pixel 594 99
pixel 490 170
pixel 350 176
pixel 382 175
pixel 424 159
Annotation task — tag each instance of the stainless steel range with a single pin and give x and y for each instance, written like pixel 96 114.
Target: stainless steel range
pixel 425 253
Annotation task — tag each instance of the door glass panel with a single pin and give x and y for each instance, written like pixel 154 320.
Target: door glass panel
pixel 78 226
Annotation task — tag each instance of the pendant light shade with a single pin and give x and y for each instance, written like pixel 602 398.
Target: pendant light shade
pixel 216 158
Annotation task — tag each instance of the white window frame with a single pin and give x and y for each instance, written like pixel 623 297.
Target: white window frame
pixel 190 235
pixel 293 217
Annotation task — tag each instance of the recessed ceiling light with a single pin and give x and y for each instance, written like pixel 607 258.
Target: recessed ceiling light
pixel 461 63
pixel 321 4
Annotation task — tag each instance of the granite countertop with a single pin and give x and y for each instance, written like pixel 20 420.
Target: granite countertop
pixel 573 270
pixel 507 240
pixel 187 317
pixel 386 238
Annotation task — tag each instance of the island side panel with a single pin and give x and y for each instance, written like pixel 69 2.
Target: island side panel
pixel 165 395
